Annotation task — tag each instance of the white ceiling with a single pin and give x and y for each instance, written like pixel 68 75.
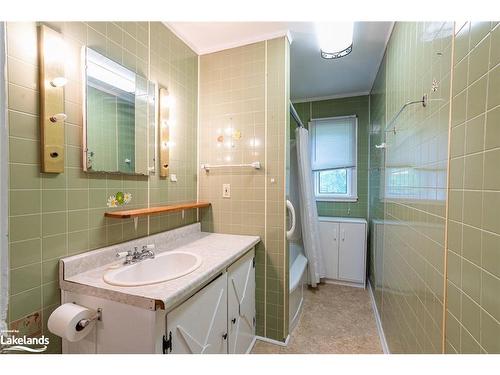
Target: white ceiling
pixel 311 76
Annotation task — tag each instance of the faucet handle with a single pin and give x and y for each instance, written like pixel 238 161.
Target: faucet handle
pixel 149 247
pixel 122 254
pixel 125 254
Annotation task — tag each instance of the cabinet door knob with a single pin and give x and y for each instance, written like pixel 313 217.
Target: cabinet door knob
pixel 233 320
pixel 224 336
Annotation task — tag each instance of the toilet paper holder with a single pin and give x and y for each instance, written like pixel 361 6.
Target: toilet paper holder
pixel 85 322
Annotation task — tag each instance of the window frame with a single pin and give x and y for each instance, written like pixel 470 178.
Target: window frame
pixel 352 175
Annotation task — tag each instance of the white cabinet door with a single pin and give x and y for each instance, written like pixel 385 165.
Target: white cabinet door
pixel 199 325
pixel 352 252
pixel 328 233
pixel 241 304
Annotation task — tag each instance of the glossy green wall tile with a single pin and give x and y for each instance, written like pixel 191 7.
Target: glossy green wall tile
pixel 55 215
pixel 376 183
pixel 473 305
pixel 407 215
pixel 408 186
pixel 233 86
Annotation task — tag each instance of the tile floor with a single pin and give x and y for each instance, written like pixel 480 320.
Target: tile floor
pixel 336 319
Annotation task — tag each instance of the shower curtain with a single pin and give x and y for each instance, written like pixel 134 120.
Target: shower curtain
pixel 308 210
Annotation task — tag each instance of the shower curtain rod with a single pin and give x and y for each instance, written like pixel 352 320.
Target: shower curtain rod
pixel 295 115
pixel 422 101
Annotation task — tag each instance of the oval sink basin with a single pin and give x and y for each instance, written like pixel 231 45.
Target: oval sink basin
pixel 167 266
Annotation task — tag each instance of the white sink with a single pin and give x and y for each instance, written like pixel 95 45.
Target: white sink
pixel 166 266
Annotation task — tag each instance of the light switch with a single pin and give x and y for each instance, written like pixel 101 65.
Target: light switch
pixel 173 177
pixel 226 191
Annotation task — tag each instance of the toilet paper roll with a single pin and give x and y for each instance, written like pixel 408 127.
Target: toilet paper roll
pixel 64 320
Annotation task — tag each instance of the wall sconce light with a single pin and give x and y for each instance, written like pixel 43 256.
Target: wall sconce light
pixel 165 103
pixel 52 81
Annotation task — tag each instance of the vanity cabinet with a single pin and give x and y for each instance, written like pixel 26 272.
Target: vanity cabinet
pixel 343 247
pixel 218 319
pixel 199 325
pixel 241 305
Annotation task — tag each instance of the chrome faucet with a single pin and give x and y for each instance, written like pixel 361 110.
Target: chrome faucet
pixel 135 256
pixel 147 252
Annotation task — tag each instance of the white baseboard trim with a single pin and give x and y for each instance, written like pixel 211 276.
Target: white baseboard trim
pixel 343 283
pixel 275 342
pixel 378 321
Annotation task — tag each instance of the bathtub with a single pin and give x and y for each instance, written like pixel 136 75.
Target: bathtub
pixel 298 279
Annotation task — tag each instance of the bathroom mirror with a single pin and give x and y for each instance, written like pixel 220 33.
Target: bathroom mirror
pixel 119 117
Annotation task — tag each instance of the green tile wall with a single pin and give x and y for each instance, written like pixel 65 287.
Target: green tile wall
pixel 55 215
pixel 376 178
pixel 357 105
pixel 473 259
pixel 408 220
pixel 408 186
pixel 233 86
pixel 278 96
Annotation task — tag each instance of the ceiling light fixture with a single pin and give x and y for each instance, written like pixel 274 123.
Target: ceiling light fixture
pixel 334 38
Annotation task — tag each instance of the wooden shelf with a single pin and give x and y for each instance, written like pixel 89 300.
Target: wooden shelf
pixel 127 214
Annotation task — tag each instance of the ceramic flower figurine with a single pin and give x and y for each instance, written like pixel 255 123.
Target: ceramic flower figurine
pixel 119 199
pixel 112 202
pixel 127 197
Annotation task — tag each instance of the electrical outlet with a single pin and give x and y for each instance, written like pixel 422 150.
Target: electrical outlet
pixel 226 191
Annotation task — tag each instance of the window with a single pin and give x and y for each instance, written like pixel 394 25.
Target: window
pixel 334 158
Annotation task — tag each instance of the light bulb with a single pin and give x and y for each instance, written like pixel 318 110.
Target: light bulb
pixel 59 82
pixel 167 100
pixel 58 117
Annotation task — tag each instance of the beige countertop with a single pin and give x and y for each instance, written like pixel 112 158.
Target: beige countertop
pixel 84 273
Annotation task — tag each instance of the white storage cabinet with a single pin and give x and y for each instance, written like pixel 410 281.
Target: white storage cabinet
pixel 343 246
